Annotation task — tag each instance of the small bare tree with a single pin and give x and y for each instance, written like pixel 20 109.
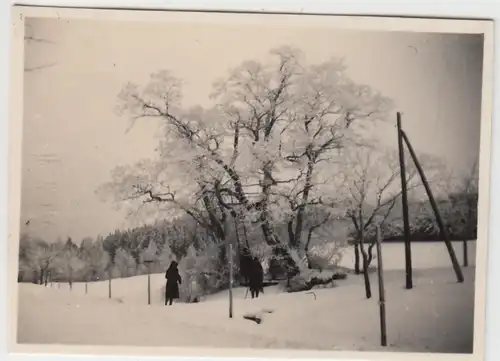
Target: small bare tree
pixel 371 177
pixel 38 257
pixel 458 202
pixel 70 261
pixel 470 191
pixel 46 256
pixel 325 243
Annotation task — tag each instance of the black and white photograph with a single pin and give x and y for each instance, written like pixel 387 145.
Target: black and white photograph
pixel 239 181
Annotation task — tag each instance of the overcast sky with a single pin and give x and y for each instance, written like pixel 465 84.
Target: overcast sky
pixel 73 138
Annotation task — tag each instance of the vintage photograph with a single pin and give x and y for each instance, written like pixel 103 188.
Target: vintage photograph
pixel 251 181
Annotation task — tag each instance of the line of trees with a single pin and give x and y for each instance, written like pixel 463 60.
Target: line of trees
pixel 119 254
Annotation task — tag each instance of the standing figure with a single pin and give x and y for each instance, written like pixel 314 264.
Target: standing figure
pixel 173 280
pixel 256 278
pixel 245 264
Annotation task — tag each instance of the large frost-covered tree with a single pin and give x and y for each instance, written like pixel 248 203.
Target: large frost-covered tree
pixel 263 154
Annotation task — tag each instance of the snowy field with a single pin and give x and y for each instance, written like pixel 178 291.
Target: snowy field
pixel 436 316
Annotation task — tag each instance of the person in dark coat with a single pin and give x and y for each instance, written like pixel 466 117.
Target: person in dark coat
pixel 245 264
pixel 256 278
pixel 173 281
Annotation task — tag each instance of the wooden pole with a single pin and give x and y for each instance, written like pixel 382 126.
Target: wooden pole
pixel 86 288
pixel 442 229
pixel 149 285
pixel 467 232
pixel 109 283
pixel 230 258
pixel 70 279
pixel 404 200
pixel 381 290
pixel 466 253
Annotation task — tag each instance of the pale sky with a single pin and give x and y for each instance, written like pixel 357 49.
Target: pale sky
pixel 73 139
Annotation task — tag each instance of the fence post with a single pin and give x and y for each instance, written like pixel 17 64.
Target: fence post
pixel 230 259
pixel 404 200
pixel 381 289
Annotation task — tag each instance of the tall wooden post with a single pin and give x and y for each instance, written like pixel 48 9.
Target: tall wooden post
pixel 109 283
pixel 86 288
pixel 465 242
pixel 149 284
pixel 71 279
pixel 148 260
pixel 404 200
pixel 439 220
pixel 381 290
pixel 230 262
pixel 466 253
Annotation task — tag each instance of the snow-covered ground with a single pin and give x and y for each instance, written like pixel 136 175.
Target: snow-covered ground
pixel 436 316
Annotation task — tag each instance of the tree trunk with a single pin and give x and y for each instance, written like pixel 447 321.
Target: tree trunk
pixel 218 228
pixel 267 232
pixel 356 258
pixel 291 235
pixel 302 208
pixel 366 277
pixel 222 262
pixel 266 228
pixel 245 235
pixel 281 252
pixel 366 262
pixel 306 248
pixel 308 259
pixel 236 226
pixel 216 224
